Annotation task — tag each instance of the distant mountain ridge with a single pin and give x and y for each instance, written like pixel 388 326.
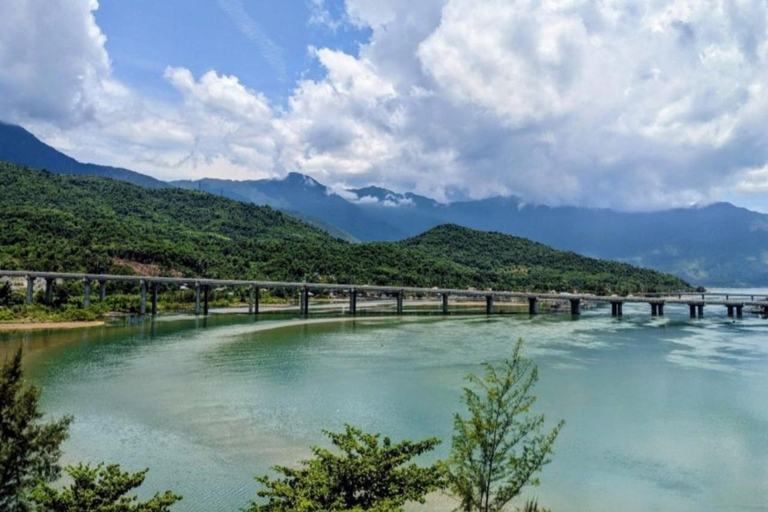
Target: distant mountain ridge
pixel 715 245
pixel 304 195
pixel 18 146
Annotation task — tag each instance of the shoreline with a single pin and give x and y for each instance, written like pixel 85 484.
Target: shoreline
pixel 41 326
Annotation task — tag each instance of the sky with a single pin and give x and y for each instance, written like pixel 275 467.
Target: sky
pixel 626 104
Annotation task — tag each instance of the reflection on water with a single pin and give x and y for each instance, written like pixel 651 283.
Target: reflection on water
pixel 662 414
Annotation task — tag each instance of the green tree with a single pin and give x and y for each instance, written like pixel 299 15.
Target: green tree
pixel 499 448
pixel 6 294
pixel 100 489
pixel 29 447
pixel 370 474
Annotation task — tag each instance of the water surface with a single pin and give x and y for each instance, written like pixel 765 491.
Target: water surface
pixel 662 414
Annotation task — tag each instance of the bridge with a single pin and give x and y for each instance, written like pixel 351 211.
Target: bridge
pixel 149 287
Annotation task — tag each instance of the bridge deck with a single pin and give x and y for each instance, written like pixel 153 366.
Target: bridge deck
pixel 688 298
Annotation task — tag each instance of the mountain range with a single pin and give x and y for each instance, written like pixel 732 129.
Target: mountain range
pixel 87 223
pixel 715 245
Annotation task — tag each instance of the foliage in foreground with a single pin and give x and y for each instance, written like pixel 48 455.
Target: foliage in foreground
pixel 100 489
pixel 532 506
pixel 29 461
pixel 29 448
pixel 370 474
pixel 499 448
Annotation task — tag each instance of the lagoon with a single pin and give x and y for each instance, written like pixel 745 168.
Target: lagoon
pixel 662 413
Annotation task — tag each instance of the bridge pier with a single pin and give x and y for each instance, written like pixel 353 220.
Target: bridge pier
pixel 400 295
pixel 739 311
pixel 657 309
pixel 304 302
pixel 700 310
pixel 353 302
pixel 86 293
pixel 692 308
pixel 730 311
pixel 251 299
pixel 617 308
pixel 533 305
pixel 197 298
pixel 30 289
pixel 489 305
pixel 155 287
pixel 143 298
pixel 661 309
pixel 445 304
pixel 49 291
pixel 575 307
pixel 102 290
pixel 206 299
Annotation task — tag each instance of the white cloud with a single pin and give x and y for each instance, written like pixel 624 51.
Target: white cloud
pixel 320 14
pixel 753 181
pixel 220 94
pixel 343 125
pixel 625 103
pixel 53 64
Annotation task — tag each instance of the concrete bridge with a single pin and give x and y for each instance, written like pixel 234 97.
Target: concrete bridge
pixel 149 287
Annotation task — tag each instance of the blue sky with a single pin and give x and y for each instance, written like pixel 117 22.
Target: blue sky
pixel 626 104
pixel 267 49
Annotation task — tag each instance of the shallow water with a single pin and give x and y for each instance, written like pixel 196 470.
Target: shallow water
pixel 662 414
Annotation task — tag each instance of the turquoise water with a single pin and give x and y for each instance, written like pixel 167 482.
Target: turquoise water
pixel 662 414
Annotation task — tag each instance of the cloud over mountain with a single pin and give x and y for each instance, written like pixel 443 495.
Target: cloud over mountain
pixel 630 104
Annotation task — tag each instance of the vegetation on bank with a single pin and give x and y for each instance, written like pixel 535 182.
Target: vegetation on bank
pixel 67 302
pixel 498 448
pixel 88 224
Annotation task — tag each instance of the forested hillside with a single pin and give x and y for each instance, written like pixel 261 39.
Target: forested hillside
pixel 519 258
pixel 76 223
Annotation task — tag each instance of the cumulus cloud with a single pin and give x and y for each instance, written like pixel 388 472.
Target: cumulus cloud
pixel 53 64
pixel 633 104
pixel 753 181
pixel 617 96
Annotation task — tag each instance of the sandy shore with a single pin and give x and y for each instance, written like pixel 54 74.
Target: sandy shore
pixel 48 325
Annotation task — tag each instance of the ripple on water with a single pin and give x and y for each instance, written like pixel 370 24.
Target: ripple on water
pixel 662 413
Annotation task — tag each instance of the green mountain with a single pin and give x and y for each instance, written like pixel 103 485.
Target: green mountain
pixel 536 265
pixel 79 223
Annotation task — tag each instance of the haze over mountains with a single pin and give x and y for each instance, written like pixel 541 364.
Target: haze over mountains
pixel 715 245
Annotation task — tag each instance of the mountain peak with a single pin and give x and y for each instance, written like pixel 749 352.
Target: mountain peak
pixel 374 195
pixel 299 179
